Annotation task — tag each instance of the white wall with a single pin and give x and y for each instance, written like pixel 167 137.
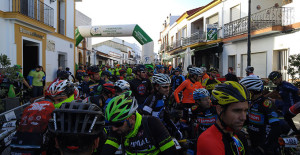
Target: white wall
pixel 4 5
pixel 70 12
pixel 7 37
pixel 63 47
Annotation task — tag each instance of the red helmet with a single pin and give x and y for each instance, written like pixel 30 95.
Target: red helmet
pixel 109 88
pixel 60 87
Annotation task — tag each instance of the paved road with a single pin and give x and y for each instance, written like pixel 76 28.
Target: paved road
pixel 297 121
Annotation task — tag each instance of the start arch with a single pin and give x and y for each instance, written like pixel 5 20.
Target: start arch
pixel 119 31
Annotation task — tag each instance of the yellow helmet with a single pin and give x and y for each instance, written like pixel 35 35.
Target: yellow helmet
pixel 230 92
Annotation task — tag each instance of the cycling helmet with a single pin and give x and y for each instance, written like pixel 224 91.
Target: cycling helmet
pixel 159 66
pixel 60 88
pixel 200 93
pixel 203 69
pixel 195 71
pixel 189 67
pixel 129 71
pixel 84 74
pixel 149 67
pixel 18 67
pixel 63 75
pixel 178 69
pixel 252 83
pixel 161 79
pixel 230 92
pixel 122 72
pixel 249 69
pixel 274 75
pixel 212 69
pixel 107 73
pixel 93 70
pixel 122 84
pixel 78 119
pixel 121 107
pixel 140 68
pixel 108 88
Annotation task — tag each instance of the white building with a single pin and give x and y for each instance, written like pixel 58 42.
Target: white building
pixel 134 53
pixel 40 33
pixel 274 37
pixel 84 54
pixel 115 55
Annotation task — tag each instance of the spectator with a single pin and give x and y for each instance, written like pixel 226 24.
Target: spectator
pixel 249 71
pixel 36 78
pixel 231 76
pixel 58 71
pixel 70 73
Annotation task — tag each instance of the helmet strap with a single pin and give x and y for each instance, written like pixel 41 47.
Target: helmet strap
pixel 223 123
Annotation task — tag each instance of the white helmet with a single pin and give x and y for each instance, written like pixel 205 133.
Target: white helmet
pixel 124 85
pixel 204 69
pixel 253 83
pixel 161 79
pixel 195 71
pixel 200 93
pixel 60 87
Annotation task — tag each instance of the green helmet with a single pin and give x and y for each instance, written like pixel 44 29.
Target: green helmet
pixel 120 107
pixel 149 66
pixel 129 71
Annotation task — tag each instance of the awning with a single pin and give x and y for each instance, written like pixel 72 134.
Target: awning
pixel 217 48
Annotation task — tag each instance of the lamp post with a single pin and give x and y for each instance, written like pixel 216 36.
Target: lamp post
pixel 249 35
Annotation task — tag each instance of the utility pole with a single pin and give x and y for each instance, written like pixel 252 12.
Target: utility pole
pixel 249 35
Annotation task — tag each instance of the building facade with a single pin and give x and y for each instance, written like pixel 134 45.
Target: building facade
pixel 38 32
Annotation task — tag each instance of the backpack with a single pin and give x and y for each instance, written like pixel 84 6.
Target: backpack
pixel 31 133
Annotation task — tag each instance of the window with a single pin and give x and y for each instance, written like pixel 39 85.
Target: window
pixel 213 19
pixel 235 13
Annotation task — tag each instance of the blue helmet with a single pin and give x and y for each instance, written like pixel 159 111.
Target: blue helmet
pixel 159 66
pixel 178 69
pixel 200 93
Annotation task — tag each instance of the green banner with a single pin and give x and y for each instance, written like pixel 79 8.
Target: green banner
pixel 140 35
pixel 78 37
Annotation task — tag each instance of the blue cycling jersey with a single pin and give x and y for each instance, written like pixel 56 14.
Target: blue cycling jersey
pixel 289 95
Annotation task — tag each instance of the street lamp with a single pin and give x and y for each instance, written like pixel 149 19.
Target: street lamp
pixel 249 35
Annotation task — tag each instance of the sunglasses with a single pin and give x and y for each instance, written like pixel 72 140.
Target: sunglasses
pixel 240 150
pixel 117 124
pixel 143 72
pixel 165 87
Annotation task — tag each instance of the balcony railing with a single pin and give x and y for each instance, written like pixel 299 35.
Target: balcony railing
pixel 34 9
pixel 274 16
pixel 195 38
pixel 61 29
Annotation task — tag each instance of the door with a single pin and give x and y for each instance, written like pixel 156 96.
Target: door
pixel 258 61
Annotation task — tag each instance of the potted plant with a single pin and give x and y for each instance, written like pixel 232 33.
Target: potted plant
pixel 8 76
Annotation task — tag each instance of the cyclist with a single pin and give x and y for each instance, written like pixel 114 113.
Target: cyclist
pixel 291 113
pixel 231 101
pixel 149 68
pixel 93 72
pixel 264 124
pixel 249 71
pixel 204 74
pixel 177 79
pixel 129 74
pixel 287 91
pixel 204 112
pixel 105 76
pixel 136 133
pixel 140 86
pixel 212 81
pixel 159 69
pixel 156 103
pixel 77 128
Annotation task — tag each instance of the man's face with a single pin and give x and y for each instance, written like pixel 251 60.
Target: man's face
pixel 58 99
pixel 86 78
pixel 164 89
pixel 235 115
pixel 122 128
pixel 37 69
pixel 277 81
pixel 96 76
pixel 204 102
pixel 176 73
pixel 142 74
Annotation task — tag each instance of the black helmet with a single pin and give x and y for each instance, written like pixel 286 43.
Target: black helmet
pixel 93 70
pixel 107 73
pixel 249 69
pixel 274 75
pixel 78 119
pixel 63 75
pixel 140 68
pixel 212 69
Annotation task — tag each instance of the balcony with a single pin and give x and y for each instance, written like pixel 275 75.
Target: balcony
pixel 34 9
pixel 196 37
pixel 280 16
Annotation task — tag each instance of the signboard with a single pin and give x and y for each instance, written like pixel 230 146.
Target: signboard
pixel 212 31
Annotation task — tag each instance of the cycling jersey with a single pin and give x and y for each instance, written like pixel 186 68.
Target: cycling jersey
pixel 141 89
pixel 213 141
pixel 263 124
pixel 205 76
pixel 91 88
pixel 139 141
pixel 154 105
pixel 176 81
pixel 205 118
pixel 188 88
pixel 210 84
pixel 289 95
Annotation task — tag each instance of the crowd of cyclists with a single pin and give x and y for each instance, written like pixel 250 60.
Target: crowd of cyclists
pixel 154 109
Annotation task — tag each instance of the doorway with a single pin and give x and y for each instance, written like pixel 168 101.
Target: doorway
pixel 61 61
pixel 30 56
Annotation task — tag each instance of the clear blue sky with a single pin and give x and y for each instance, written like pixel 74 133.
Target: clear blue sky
pixel 148 14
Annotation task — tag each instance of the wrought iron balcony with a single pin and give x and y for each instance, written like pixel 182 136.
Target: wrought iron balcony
pixel 195 38
pixel 34 9
pixel 274 16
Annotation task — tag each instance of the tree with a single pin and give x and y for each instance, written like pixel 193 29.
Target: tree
pixel 294 68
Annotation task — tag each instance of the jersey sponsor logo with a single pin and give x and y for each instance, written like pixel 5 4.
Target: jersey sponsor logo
pixel 251 127
pixel 38 107
pixel 139 143
pixel 207 120
pixel 267 103
pixel 256 118
pixel 141 89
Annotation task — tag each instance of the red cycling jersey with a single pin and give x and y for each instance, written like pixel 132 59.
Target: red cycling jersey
pixel 210 142
pixel 188 88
